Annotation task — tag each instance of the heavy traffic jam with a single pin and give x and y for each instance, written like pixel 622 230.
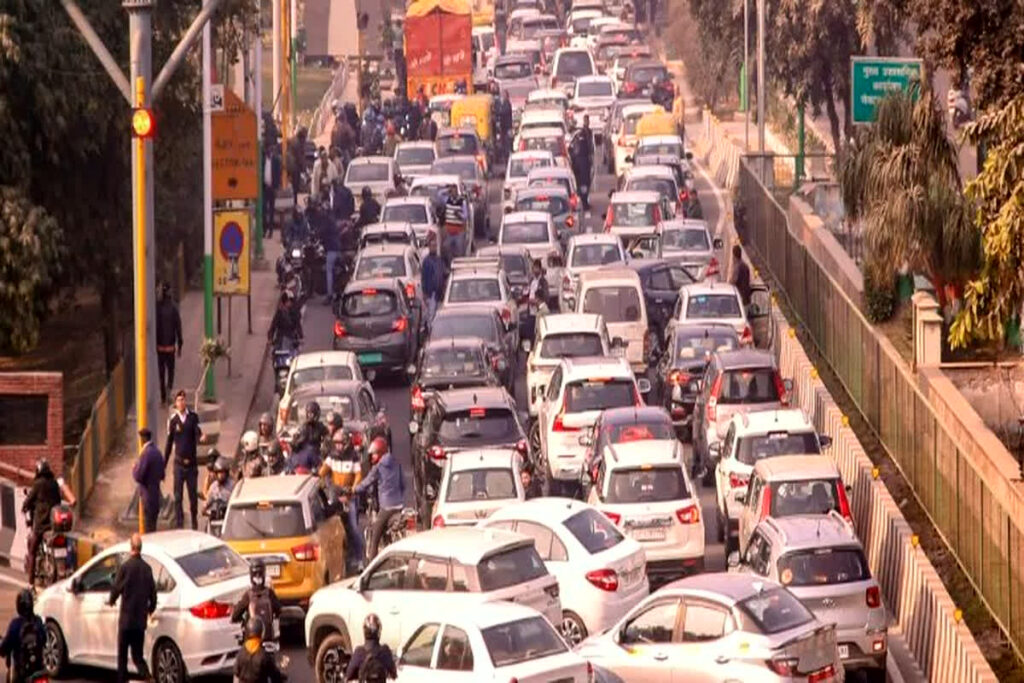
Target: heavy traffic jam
pixel 576 378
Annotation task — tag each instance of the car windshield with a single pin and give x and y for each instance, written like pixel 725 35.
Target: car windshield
pixel 808 497
pixel 474 289
pixel 467 170
pixel 380 266
pixel 543 143
pixel 367 303
pixel 691 345
pixel 616 304
pixel 595 255
pixel 213 565
pixel 594 89
pixel 320 373
pixel 514 264
pixel 775 610
pixel 478 427
pixel 445 361
pixel 339 404
pixel 713 306
pixel 750 385
pixel 524 233
pixel 251 521
pixel 510 567
pixel 405 213
pixel 522 641
pixel 574 64
pixel 480 325
pixel 513 70
pixel 750 449
pixel 694 239
pixel 670 149
pixel 647 485
pixel 487 484
pixel 629 122
pixel 580 26
pixel 646 74
pixel 545 101
pixel 458 143
pixel 599 394
pixel 823 567
pixel 627 432
pixel 633 214
pixel 415 156
pixel 366 173
pixel 593 530
pixel 553 205
pixel 571 345
pixel 520 167
pixel 663 186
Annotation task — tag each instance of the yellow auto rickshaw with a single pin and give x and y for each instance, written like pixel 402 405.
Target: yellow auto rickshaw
pixel 656 123
pixel 475 111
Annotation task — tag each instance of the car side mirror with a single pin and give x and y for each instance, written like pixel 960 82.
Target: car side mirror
pixel 824 440
pixel 753 311
pixel 644 385
pixel 741 498
pixel 717 243
pixel 526 345
pixel 715 450
pixel 618 343
pixel 508 209
pixel 75 586
pixel 414 427
pixel 787 384
pixel 733 561
pixel 410 369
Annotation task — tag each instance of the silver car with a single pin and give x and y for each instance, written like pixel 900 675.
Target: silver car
pixel 820 560
pixel 717 627
pixel 414 158
pixel 688 240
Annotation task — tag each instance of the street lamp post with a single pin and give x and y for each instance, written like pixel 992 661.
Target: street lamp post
pixel 760 77
pixel 746 74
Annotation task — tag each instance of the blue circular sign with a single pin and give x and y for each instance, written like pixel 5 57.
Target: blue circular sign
pixel 232 240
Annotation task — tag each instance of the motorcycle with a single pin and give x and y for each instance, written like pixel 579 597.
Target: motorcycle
pixel 285 350
pixel 215 511
pixel 399 526
pixel 52 557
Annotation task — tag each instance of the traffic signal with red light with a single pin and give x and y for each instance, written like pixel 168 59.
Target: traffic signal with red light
pixel 143 123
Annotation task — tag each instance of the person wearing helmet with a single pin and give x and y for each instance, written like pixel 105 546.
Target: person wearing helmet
pixel 253 663
pixel 369 210
pixel 252 460
pixel 371 662
pixel 44 495
pixel 221 484
pixel 265 433
pixel 343 464
pixel 313 431
pixel 391 139
pixel 275 460
pixel 334 422
pixel 22 645
pixel 386 474
pixel 259 601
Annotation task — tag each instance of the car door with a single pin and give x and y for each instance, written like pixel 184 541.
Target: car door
pixel 703 641
pixel 750 512
pixel 418 654
pixel 89 621
pixel 549 404
pixel 383 589
pixel 646 643
pixel 453 660
pixel 165 621
pixel 330 534
pixel 661 296
pixel 722 486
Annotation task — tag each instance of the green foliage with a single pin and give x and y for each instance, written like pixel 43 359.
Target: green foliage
pixel 710 35
pixel 879 299
pixel 997 195
pixel 30 259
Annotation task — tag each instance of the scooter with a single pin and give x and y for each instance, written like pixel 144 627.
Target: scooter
pixel 285 350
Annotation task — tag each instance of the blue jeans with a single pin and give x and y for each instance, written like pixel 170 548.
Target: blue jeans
pixel 431 309
pixel 454 245
pixel 332 258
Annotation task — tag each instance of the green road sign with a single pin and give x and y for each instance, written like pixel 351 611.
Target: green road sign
pixel 872 77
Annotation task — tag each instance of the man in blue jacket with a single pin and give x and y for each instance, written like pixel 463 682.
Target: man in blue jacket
pixel 386 475
pixel 433 278
pixel 148 472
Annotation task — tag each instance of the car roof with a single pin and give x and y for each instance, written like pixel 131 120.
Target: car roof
pixel 327 387
pixel 546 93
pixel 388 226
pixel 586 366
pixel 594 78
pixel 173 543
pixel 449 342
pixel 542 113
pixel 559 323
pixel 277 488
pixel 649 171
pixel 635 196
pixel 685 224
pixel 532 154
pixel 549 509
pixel 484 616
pixel 739 358
pixel 797 467
pixel 540 191
pixel 384 249
pixel 467 310
pixel 640 107
pixel 812 531
pixel 466 544
pixel 313 359
pixel 481 458
pixel 541 132
pixel 503 250
pixel 708 288
pixel 733 587
pixel 423 144
pixel 614 273
pixel 526 216
pixel 436 179
pixel 647 63
pixel 549 172
pixel 765 421
pixel 647 452
pixel 474 272
pixel 595 238
pixel 407 199
pixel 634 414
pixel 512 58
pixel 483 397
pixel 452 131
pixel 453 159
pixel 659 139
pixel 389 284
pixel 361 161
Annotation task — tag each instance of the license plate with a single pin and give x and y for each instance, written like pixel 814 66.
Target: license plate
pixel 844 651
pixel 648 534
pixel 370 358
pixel 60 553
pixel 273 570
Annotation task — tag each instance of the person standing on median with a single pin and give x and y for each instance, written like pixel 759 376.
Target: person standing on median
pixel 168 336
pixel 136 589
pixel 148 472
pixel 184 435
pixel 740 277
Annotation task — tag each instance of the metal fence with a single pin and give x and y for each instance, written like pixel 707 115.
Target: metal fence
pixel 983 537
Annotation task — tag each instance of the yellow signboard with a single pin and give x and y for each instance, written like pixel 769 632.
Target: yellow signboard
pixel 231 231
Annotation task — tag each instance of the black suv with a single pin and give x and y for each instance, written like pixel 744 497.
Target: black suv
pixel 450 363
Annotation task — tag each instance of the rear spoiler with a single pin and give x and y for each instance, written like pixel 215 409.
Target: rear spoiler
pixel 823 628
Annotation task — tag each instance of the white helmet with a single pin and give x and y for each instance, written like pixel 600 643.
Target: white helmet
pixel 250 442
pixel 335 105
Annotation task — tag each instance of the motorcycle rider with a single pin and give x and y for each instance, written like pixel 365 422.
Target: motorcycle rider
pixel 258 601
pixel 221 485
pixel 253 663
pixel 252 460
pixel 369 210
pixel 312 432
pixel 343 203
pixel 46 493
pixel 371 662
pixel 386 474
pixel 22 645
pixel 344 466
pixel 265 433
pixel 286 323
pixel 276 463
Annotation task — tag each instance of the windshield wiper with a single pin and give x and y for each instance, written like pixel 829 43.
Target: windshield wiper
pixel 261 532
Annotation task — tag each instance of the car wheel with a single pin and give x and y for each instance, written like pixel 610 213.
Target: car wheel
pixel 55 650
pixel 168 666
pixel 331 659
pixel 572 627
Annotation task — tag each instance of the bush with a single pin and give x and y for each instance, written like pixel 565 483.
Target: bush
pixel 879 299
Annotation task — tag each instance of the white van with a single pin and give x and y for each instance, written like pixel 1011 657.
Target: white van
pixel 616 294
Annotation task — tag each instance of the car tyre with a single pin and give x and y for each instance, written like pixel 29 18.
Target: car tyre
pixel 55 650
pixel 168 666
pixel 572 628
pixel 331 659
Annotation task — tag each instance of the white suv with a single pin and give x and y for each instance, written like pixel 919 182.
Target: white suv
pixel 587 251
pixel 565 335
pixel 749 438
pixel 580 388
pixel 414 578
pixel 475 483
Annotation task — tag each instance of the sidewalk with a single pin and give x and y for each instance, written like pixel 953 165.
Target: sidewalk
pixel 107 515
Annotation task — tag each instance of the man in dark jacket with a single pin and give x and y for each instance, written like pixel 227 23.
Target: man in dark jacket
pixel 583 160
pixel 343 202
pixel 184 435
pixel 148 472
pixel 740 277
pixel 22 645
pixel 286 323
pixel 371 649
pixel 136 589
pixel 505 123
pixel 386 475
pixel 432 276
pixel 168 336
pixel 369 210
pixel 297 161
pixel 41 499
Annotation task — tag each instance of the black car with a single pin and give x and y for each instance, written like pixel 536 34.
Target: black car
pixel 352 399
pixel 676 380
pixel 660 280
pixel 649 77
pixel 378 321
pixel 483 322
pixel 461 419
pixel 450 363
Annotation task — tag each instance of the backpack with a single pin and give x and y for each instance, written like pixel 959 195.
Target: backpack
pixel 260 606
pixel 30 648
pixel 372 669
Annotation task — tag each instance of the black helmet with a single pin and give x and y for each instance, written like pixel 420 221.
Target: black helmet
pixel 43 466
pixel 274 452
pixel 366 192
pixel 221 463
pixel 257 573
pixel 371 627
pixel 312 411
pixel 24 603
pixel 254 628
pixel 334 420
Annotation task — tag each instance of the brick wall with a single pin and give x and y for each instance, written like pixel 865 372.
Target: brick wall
pixel 50 384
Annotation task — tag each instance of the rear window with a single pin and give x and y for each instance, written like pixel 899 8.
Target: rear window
pixel 264 520
pixel 213 565
pixel 320 373
pixel 380 266
pixel 594 531
pixel 616 304
pixel 812 497
pixel 524 233
pixel 647 485
pixel 521 641
pixel 672 149
pixel 339 404
pixel 639 431
pixel 580 26
pixel 633 214
pixel 446 361
pixel 466 170
pixel 595 89
pixel 475 289
pixel 663 186
pixel 409 213
pixel 749 386
pixel 476 325
pixel 713 306
pixel 689 240
pixel 690 346
pixel 543 143
pixel 415 156
pixel 510 568
pixel 457 144
pixel 571 345
pixel 823 567
pixel 514 264
pixel 595 255
pixel 574 64
pixel 553 205
pixel 599 394
pixel 560 181
pixel 513 70
pixel 369 302
pixel 646 74
pixel 775 610
pixel 750 449
pixel 478 427
pixel 521 167
pixel 366 173
pixel 489 484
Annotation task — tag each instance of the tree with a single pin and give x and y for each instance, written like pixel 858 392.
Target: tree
pixel 900 178
pixel 714 58
pixel 883 24
pixel 997 197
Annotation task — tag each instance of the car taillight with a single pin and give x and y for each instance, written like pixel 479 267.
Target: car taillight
pixel 766 503
pixel 437 453
pixel 410 289
pixel 400 325
pixel 307 552
pixel 590 672
pixel 622 141
pixel 713 268
pixel 608 221
pixel 716 389
pixel 419 404
pixel 566 283
pixel 522 145
pixel 826 674
pixel 59 541
pixel 683 196
pixel 678 377
pixel 559 423
pixel 522 446
pixel 738 481
pixel 747 337
pixel 211 609
pixel 629 86
pixel 339 329
pixel 605 579
pixel 780 389
pixel 357 439
pixel 573 202
pixel 506 314
pixel 614 517
pixel 873 597
pixel 844 502
pixel 783 666
pixel 438 522
pixel 480 160
pixel 570 221
pixel 688 515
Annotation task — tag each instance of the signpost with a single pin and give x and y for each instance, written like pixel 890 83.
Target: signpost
pixel 231 254
pixel 234 147
pixel 872 77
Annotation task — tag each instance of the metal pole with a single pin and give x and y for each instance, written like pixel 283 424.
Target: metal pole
pixel 801 143
pixel 746 73
pixel 276 98
pixel 184 45
pixel 293 25
pixel 211 390
pixel 100 50
pixel 760 76
pixel 257 71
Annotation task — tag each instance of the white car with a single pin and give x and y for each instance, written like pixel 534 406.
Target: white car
pixel 625 137
pixel 588 251
pixel 634 214
pixel 547 117
pixel 377 173
pixel 550 139
pixel 600 571
pixel 616 293
pixel 688 240
pixel 417 577
pixel 400 261
pixel 498 641
pixel 316 366
pixel 660 179
pixel 199 579
pixel 418 211
pixel 517 171
pixel 579 389
pixel 479 281
pixel 534 231
pixel 563 335
pixel 592 96
pixel 415 157
pixel 547 98
pixel 579 19
pixel 475 483
pixel 713 302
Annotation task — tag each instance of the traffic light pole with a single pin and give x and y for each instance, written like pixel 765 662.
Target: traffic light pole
pixel 209 384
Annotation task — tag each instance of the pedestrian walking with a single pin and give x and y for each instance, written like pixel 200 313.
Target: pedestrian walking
pixel 184 436
pixel 455 225
pixel 583 160
pixel 432 275
pixel 148 472
pixel 168 338
pixel 136 589
pixel 330 238
pixel 297 161
pixel 271 181
pixel 740 277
